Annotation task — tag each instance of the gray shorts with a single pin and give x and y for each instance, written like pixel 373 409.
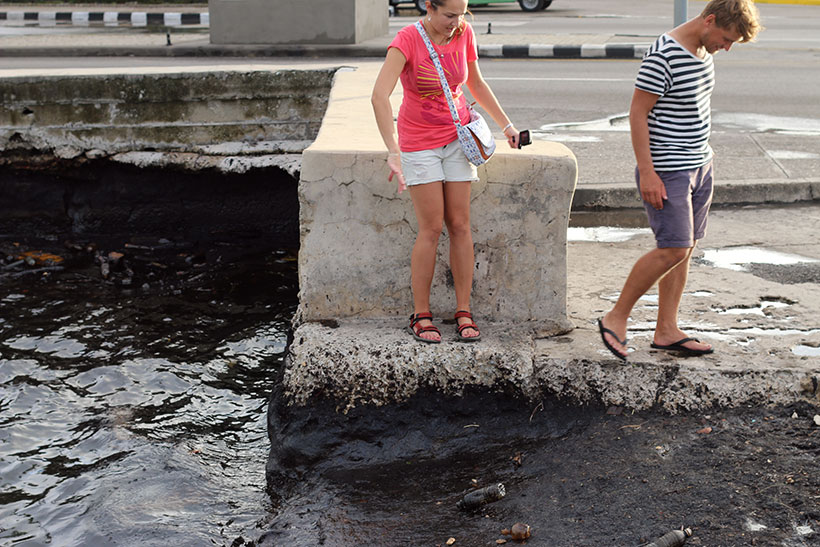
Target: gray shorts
pixel 682 221
pixel 446 163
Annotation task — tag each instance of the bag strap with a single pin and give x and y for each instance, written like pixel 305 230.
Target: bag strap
pixel 445 86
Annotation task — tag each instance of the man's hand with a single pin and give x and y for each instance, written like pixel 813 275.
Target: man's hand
pixel 652 189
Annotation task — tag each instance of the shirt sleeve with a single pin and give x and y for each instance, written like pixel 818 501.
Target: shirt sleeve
pixel 655 75
pixel 403 42
pixel 472 48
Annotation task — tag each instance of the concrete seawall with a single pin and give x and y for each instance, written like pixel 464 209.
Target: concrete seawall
pixel 94 150
pixel 232 120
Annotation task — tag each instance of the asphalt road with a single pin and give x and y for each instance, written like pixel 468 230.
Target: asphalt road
pixel 789 25
pixel 772 77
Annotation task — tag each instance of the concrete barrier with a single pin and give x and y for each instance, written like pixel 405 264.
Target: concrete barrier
pixel 296 21
pixel 354 270
pixel 357 232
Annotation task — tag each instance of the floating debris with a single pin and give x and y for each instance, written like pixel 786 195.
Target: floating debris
pixel 520 531
pixel 675 538
pixel 40 257
pixel 479 497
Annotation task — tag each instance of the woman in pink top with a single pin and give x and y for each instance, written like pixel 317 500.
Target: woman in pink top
pixel 427 158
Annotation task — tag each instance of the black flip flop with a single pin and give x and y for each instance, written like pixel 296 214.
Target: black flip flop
pixel 603 330
pixel 679 346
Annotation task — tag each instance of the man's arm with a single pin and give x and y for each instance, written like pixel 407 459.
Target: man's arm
pixel 652 189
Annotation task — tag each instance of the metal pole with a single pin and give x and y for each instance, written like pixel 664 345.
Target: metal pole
pixel 680 12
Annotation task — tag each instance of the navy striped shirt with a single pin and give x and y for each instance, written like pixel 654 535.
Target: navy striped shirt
pixel 681 120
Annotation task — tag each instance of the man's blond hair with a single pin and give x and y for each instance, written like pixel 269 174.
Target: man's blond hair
pixel 739 15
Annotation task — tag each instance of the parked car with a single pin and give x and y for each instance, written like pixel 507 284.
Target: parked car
pixel 526 5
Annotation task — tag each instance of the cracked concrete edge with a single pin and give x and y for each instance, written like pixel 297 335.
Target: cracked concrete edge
pixel 377 363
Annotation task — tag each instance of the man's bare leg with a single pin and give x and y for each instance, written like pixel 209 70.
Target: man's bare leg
pixel 650 268
pixel 670 292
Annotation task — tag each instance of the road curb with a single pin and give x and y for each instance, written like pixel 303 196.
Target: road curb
pixel 564 51
pixel 104 18
pixel 600 196
pixel 532 51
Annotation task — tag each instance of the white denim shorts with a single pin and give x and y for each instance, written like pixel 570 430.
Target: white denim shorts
pixel 446 163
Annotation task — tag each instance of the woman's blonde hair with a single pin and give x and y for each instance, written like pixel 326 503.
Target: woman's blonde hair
pixel 739 15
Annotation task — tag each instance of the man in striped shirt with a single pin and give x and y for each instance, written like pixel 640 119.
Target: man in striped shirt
pixel 670 120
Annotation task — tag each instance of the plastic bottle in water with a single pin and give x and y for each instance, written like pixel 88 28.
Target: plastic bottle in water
pixel 675 538
pixel 479 497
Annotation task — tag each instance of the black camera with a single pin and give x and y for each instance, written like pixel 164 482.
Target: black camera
pixel 524 138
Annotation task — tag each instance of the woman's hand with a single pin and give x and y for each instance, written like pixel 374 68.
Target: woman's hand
pixel 394 162
pixel 512 135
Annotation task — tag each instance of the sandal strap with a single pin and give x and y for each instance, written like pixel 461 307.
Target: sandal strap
pixel 467 326
pixel 471 325
pixel 428 328
pixel 415 318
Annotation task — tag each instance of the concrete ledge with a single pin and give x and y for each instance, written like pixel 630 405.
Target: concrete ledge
pixel 360 363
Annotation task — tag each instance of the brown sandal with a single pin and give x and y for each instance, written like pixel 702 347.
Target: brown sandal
pixel 470 325
pixel 416 329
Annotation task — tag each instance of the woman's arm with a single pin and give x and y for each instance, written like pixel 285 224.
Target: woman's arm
pixel 482 93
pixel 380 99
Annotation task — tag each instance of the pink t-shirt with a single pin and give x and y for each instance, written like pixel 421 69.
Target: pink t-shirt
pixel 424 119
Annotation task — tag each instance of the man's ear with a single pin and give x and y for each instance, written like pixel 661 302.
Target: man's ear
pixel 709 20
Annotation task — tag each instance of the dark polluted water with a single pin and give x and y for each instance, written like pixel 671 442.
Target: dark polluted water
pixel 136 409
pixel 132 410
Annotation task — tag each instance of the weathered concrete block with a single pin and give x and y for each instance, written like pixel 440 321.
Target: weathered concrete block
pixel 296 21
pixel 357 234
